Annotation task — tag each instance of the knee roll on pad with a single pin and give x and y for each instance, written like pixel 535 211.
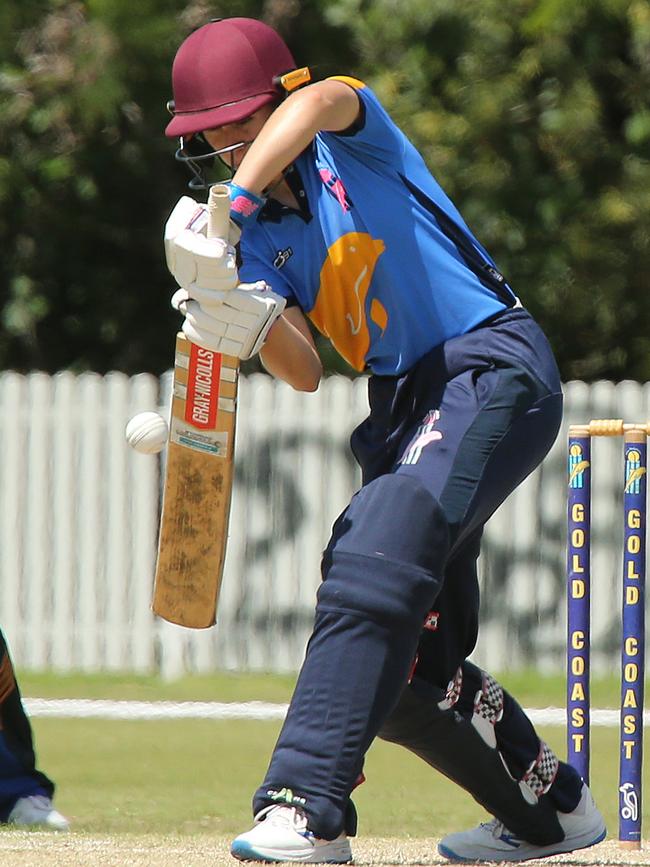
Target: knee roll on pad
pixel 455 747
pixel 387 553
pixel 397 518
pixel 373 588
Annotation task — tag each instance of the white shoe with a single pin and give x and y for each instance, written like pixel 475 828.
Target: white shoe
pixel 37 811
pixel 492 841
pixel 281 834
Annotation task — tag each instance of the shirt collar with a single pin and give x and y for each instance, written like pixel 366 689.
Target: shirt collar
pixel 273 211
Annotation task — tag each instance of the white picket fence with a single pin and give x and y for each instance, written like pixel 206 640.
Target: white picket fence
pixel 79 517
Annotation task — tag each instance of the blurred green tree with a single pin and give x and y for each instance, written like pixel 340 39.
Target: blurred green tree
pixel 533 114
pixel 81 203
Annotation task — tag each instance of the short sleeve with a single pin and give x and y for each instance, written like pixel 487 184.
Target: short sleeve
pixel 376 134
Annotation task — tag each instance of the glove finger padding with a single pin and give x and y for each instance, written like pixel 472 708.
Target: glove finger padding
pixel 187 214
pixel 235 322
pixel 201 328
pixel 192 256
pixel 190 214
pixel 179 298
pixel 206 297
pixel 209 262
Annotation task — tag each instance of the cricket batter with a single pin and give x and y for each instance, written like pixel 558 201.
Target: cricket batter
pixel 343 224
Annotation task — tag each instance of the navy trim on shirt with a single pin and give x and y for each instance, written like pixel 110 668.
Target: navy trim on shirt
pixel 489 276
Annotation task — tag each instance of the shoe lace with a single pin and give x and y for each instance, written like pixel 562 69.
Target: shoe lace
pixel 496 828
pixel 284 816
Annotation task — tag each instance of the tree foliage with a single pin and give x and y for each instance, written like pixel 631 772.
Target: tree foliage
pixel 533 114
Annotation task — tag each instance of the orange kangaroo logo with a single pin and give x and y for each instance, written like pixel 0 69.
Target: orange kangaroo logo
pixel 340 309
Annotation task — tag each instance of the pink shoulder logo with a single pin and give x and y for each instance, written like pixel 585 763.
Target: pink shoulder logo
pixel 336 186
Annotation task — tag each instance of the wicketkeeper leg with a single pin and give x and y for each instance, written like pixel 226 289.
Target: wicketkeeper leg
pixel 18 774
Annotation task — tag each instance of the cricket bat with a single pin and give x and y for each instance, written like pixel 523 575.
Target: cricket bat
pixel 199 470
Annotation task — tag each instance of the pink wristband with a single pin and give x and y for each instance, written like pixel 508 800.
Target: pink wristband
pixel 244 206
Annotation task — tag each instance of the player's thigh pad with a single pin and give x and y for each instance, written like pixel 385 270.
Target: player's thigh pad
pixel 386 557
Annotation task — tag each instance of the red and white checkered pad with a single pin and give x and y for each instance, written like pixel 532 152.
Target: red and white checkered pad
pixel 453 691
pixel 489 700
pixel 541 773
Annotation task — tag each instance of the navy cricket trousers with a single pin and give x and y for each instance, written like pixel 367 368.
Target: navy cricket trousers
pixel 442 447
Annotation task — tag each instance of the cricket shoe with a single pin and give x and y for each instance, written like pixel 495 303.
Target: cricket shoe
pixel 281 834
pixel 37 811
pixel 492 841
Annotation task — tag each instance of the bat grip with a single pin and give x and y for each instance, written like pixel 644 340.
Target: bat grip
pixel 219 212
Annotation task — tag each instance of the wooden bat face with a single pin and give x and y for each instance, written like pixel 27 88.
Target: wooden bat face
pixel 198 486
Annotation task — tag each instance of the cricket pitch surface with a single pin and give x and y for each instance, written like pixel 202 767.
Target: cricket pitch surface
pixel 21 848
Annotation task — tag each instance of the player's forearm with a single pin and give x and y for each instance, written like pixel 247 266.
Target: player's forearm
pixel 285 135
pixel 290 129
pixel 288 355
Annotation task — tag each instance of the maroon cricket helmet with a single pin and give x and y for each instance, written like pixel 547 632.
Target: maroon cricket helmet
pixel 224 72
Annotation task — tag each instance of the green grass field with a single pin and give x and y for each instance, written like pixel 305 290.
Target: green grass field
pixel 197 776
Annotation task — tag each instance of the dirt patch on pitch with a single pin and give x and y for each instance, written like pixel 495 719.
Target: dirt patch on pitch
pixel 21 848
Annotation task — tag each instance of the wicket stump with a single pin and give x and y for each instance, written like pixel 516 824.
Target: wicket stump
pixel 633 616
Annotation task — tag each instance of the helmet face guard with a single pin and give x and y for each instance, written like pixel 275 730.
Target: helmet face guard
pixel 223 73
pixel 199 158
pixel 200 161
pixel 195 153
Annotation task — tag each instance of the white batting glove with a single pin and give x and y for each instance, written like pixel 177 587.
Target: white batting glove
pixel 191 256
pixel 234 322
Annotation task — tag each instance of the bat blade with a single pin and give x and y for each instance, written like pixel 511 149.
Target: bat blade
pixel 192 539
pixel 198 486
pixel 198 474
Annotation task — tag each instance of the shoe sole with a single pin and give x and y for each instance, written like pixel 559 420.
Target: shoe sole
pixel 555 849
pixel 245 852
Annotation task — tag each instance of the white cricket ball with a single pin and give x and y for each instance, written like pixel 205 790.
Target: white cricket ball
pixel 147 432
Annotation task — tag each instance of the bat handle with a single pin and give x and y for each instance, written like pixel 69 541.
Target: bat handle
pixel 219 212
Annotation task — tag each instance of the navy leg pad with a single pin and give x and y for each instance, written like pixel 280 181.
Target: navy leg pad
pixel 451 744
pixel 375 588
pixel 381 575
